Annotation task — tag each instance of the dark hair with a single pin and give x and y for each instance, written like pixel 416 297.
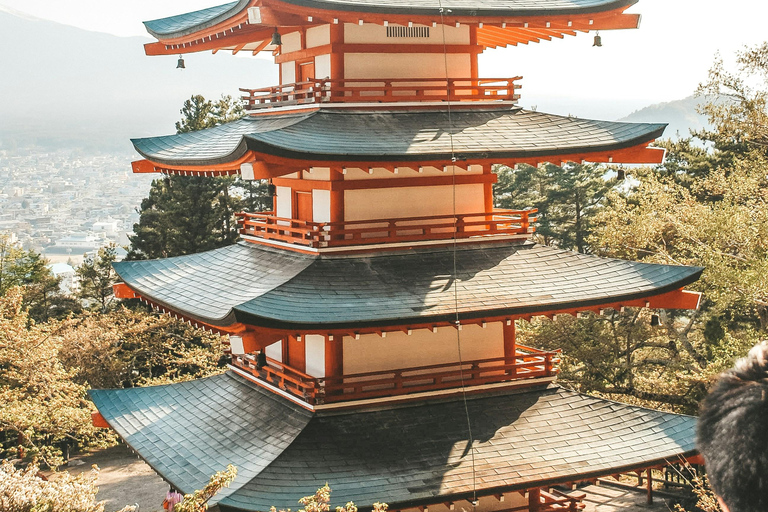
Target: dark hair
pixel 733 433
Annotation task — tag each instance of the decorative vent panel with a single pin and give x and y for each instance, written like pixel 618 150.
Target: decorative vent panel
pixel 407 31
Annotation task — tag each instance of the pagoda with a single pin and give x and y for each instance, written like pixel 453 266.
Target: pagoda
pixel 371 314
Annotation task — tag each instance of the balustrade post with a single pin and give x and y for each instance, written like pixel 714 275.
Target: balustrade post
pixel 524 223
pixel 392 230
pixel 548 364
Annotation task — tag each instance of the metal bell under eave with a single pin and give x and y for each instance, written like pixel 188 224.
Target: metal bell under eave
pixel 598 40
pixel 180 64
pixel 276 39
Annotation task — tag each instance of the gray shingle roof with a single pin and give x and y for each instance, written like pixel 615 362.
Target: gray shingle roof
pixel 189 431
pixel 406 136
pixel 189 23
pixel 259 285
pixel 398 454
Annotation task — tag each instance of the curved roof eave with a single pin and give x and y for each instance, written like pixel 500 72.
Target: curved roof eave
pixel 326 135
pixel 186 24
pixel 454 8
pixel 187 431
pixel 281 289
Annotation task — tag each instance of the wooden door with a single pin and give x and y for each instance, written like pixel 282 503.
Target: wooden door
pixel 306 71
pixel 303 206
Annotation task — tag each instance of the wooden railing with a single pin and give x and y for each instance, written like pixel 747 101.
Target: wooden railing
pixel 529 363
pixel 382 90
pixel 365 232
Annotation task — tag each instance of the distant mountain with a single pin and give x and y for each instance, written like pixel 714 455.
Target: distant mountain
pixel 63 86
pixel 680 114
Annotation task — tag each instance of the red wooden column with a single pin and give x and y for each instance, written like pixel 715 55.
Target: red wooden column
pixel 297 354
pixel 473 55
pixel 510 345
pixel 649 483
pixel 487 191
pixel 334 358
pixel 337 196
pixel 337 57
pixel 534 500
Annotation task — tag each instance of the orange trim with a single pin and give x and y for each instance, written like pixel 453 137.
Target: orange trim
pixel 420 181
pixel 271 166
pixel 98 421
pixel 263 336
pixel 288 17
pixel 337 59
pixel 304 54
pixel 123 291
pixel 334 357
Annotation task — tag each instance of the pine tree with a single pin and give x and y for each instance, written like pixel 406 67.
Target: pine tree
pixel 190 214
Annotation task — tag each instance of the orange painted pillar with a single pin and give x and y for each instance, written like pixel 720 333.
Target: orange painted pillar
pixel 297 354
pixel 649 483
pixel 334 360
pixel 337 196
pixel 534 500
pixel 473 55
pixel 337 57
pixel 510 345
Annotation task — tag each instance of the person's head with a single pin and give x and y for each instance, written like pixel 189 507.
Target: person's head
pixel 733 434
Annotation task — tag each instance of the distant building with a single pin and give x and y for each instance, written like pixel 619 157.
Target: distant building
pixel 70 283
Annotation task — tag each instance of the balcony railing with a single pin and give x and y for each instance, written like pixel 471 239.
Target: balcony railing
pixel 408 229
pixel 529 363
pixel 382 90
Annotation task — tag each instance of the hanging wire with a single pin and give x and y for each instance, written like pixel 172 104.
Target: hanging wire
pixel 455 276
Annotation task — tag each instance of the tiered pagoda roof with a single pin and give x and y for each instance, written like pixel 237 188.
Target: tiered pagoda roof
pixel 342 136
pixel 278 288
pixel 408 456
pixel 344 304
pixel 235 26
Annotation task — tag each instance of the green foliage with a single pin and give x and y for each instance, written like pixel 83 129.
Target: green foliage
pixel 199 113
pixel 131 347
pixel 566 197
pixel 198 501
pixel 41 406
pixel 321 502
pixel 40 289
pixel 191 214
pixel 22 490
pixel 97 277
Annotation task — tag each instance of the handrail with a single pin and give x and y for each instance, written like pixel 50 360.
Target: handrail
pixel 377 231
pixel 346 90
pixel 317 390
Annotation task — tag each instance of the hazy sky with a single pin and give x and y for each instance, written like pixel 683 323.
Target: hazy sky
pixel 662 61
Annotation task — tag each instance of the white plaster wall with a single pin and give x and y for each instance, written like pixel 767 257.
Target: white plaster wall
pixel 315 353
pixel 387 203
pixel 318 36
pixel 321 205
pixel 378 173
pixel 288 72
pixel 291 42
pixel 275 351
pixel 423 347
pixel 406 65
pixel 317 173
pixel 323 66
pixel 377 34
pixel 284 207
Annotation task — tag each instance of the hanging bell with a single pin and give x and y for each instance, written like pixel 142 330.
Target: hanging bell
pixel 598 40
pixel 271 190
pixel 276 39
pixel 620 174
pixel 655 321
pixel 180 64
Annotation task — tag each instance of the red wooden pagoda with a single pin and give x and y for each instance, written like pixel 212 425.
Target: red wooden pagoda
pixel 383 289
